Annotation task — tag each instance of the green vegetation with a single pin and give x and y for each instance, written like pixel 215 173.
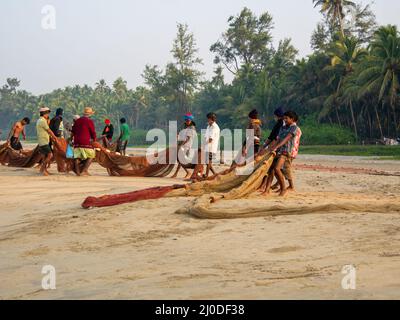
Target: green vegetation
pixel 346 91
pixel 384 152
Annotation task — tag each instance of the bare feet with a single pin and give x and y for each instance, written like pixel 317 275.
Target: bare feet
pixel 85 174
pixel 290 189
pixel 266 193
pixel 275 186
pixel 283 193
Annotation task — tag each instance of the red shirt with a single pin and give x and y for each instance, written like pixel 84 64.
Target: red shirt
pixel 84 131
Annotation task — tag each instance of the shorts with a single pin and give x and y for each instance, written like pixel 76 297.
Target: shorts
pixel 84 153
pixel 45 150
pixel 287 166
pixel 15 144
pixel 122 145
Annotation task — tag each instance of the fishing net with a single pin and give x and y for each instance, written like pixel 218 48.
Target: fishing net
pixel 232 184
pixel 119 165
pixel 13 158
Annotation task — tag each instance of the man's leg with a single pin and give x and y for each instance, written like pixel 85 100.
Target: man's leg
pixel 78 167
pixel 268 184
pixel 177 170
pixel 279 175
pixel 85 170
pixel 124 145
pixel 46 160
pixel 289 174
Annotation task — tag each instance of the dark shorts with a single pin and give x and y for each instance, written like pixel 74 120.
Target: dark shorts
pixel 15 143
pixel 45 150
pixel 122 145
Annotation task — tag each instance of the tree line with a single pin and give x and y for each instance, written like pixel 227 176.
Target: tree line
pixel 348 85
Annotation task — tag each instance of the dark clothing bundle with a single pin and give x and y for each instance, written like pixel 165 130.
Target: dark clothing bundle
pixel 108 132
pixel 55 124
pixel 15 143
pixel 275 131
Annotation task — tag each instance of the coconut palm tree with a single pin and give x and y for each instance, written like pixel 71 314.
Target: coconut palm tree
pixel 381 70
pixel 335 9
pixel 344 55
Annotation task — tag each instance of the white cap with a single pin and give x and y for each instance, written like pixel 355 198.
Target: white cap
pixel 76 117
pixel 44 110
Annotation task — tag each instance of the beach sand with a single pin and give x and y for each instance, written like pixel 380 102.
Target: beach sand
pixel 146 250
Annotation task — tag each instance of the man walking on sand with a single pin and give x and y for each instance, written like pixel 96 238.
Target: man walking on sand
pixel 16 131
pixel 44 134
pixel 84 134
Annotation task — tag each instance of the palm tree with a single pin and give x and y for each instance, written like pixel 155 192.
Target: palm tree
pixel 381 70
pixel 344 55
pixel 335 9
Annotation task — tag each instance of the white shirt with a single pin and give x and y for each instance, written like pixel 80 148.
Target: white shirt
pixel 213 132
pixel 190 133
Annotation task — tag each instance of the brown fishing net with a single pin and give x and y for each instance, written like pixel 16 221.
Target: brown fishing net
pixel 231 184
pixel 119 165
pixel 13 158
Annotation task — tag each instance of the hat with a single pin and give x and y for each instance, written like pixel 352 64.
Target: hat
pixel 107 121
pixel 189 116
pixel 44 109
pixel 279 112
pixel 88 111
pixel 76 117
pixel 253 114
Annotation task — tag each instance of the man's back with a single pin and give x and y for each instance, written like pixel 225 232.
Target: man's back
pixel 84 131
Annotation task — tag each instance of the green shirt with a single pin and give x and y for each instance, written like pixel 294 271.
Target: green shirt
pixel 42 132
pixel 125 133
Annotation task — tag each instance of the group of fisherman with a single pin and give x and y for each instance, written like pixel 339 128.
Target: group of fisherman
pixel 80 135
pixel 284 140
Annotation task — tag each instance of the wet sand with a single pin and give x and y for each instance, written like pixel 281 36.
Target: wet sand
pixel 146 250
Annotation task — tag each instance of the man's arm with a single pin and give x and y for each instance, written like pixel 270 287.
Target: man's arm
pixel 283 142
pixel 92 130
pixel 51 134
pixel 24 133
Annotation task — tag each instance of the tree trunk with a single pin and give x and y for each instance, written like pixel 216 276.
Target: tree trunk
pixel 354 120
pixel 394 120
pixel 340 22
pixel 337 116
pixel 379 121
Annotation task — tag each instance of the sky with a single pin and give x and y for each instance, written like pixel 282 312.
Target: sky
pixel 106 39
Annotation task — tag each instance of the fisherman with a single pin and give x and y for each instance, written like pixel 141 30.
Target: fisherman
pixel 124 137
pixel 185 142
pixel 84 134
pixel 108 133
pixel 15 133
pixel 44 134
pixel 56 124
pixel 255 127
pixel 279 122
pixel 287 145
pixel 211 143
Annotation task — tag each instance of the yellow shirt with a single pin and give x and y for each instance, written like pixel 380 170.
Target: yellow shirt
pixel 41 130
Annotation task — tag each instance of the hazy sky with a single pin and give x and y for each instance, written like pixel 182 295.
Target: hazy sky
pixel 97 39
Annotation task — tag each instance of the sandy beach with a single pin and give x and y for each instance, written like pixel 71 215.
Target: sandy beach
pixel 146 250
